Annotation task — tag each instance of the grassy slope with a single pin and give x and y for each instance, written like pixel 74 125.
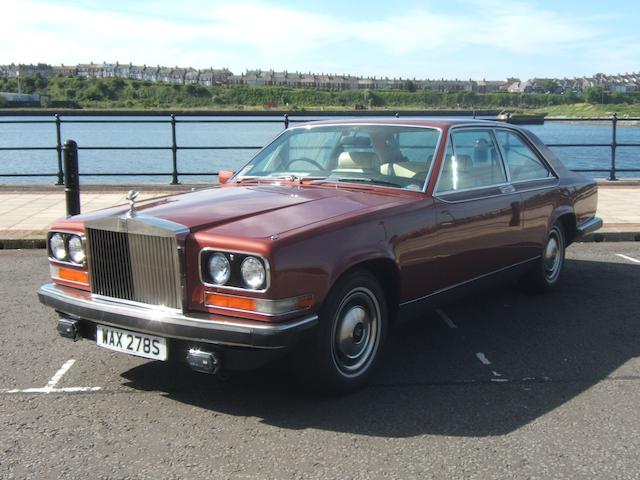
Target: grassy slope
pixel 589 110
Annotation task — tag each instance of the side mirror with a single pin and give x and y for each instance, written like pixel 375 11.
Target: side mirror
pixel 224 176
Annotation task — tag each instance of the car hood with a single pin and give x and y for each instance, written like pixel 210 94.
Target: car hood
pixel 259 210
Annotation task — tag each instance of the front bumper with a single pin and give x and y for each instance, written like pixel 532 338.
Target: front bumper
pixel 201 328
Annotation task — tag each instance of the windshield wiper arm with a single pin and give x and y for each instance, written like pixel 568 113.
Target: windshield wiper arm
pixel 376 181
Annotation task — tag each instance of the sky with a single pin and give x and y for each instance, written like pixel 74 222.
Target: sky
pixel 490 39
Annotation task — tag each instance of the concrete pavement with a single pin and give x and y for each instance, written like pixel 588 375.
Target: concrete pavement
pixel 26 213
pixel 502 385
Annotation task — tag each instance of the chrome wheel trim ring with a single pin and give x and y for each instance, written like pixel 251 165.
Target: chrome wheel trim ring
pixel 355 334
pixel 552 256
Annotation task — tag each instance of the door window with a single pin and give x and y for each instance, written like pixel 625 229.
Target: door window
pixel 522 162
pixel 474 162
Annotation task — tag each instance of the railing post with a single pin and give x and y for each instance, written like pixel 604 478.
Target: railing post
pixel 59 151
pixel 174 151
pixel 71 178
pixel 614 144
pixel 286 121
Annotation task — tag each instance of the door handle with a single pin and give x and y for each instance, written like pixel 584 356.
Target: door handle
pixel 447 218
pixel 507 188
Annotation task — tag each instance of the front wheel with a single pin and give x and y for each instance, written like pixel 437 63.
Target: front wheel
pixel 348 344
pixel 546 274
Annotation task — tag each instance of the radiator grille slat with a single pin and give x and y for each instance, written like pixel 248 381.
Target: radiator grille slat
pixel 134 267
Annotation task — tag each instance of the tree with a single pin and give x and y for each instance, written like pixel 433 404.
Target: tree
pixel 550 86
pixel 594 95
pixel 409 86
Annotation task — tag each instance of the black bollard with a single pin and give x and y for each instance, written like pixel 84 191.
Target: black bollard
pixel 71 179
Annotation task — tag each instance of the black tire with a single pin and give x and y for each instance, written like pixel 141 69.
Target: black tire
pixel 342 353
pixel 548 269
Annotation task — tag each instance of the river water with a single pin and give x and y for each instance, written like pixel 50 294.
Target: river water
pixel 231 134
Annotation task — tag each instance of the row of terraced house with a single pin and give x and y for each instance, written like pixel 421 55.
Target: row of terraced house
pixel 207 77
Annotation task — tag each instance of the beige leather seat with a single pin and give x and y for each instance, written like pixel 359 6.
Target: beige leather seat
pixel 358 162
pixel 407 169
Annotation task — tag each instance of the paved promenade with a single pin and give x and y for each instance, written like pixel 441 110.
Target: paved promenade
pixel 26 214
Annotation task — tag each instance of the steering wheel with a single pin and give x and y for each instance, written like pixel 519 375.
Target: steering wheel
pixel 304 159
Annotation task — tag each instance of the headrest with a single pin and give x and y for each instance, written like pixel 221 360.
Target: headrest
pixel 352 140
pixel 358 160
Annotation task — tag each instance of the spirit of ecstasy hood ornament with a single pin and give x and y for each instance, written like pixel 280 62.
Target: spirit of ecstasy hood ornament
pixel 131 198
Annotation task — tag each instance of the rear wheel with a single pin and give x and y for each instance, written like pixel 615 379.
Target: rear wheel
pixel 546 274
pixel 348 344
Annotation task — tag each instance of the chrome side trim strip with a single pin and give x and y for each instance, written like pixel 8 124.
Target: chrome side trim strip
pixel 451 287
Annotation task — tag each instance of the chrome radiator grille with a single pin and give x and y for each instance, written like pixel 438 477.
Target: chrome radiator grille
pixel 136 267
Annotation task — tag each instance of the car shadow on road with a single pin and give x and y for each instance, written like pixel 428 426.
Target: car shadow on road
pixel 543 350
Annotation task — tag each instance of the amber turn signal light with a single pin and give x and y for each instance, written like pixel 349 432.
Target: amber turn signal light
pixel 69 275
pixel 258 305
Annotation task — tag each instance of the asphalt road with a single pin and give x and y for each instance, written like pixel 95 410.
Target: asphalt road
pixel 500 385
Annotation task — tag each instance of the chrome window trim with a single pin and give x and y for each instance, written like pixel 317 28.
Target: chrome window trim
pixel 501 194
pixel 365 124
pixel 472 127
pixel 265 261
pixel 53 259
pixel 532 147
pixel 494 128
pixel 479 277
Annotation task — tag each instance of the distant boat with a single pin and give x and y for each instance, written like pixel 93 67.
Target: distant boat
pixel 521 118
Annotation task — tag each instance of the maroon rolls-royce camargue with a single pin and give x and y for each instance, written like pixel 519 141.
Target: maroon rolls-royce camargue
pixel 330 235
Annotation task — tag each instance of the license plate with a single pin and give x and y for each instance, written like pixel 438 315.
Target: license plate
pixel 134 343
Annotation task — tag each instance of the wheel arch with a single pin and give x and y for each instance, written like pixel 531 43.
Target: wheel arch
pixel 386 273
pixel 568 222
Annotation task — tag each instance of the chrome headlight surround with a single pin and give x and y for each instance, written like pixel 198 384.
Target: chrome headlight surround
pixel 236 259
pixel 66 247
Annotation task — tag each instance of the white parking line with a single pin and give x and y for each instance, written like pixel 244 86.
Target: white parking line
pixel 59 374
pixel 631 259
pixel 446 319
pixel 50 386
pixel 483 358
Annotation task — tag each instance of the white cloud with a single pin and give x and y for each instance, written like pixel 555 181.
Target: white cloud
pixel 244 35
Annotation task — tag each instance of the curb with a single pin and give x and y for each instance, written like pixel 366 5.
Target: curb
pixel 597 237
pixel 22 243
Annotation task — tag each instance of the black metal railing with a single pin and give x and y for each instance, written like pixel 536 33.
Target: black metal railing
pixel 174 147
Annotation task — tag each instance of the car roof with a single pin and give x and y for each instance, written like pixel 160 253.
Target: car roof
pixel 438 122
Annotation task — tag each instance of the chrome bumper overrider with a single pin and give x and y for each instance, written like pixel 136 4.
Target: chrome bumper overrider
pixel 591 225
pixel 197 327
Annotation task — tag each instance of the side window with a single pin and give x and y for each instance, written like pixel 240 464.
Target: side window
pixel 522 162
pixel 475 162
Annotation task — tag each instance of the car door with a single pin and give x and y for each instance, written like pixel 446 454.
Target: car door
pixel 536 182
pixel 478 211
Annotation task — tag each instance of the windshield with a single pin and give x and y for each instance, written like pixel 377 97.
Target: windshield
pixel 392 156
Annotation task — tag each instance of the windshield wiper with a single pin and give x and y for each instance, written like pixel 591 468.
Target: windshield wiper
pixel 375 181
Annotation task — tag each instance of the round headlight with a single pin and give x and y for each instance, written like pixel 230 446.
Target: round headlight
pixel 219 268
pixel 253 273
pixel 57 246
pixel 76 249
